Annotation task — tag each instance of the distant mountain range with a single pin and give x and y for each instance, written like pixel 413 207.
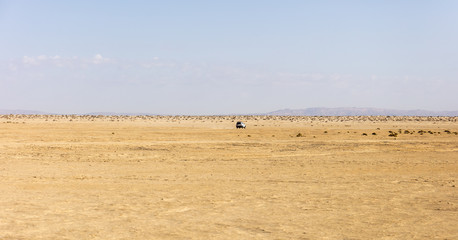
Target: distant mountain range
pixel 291 112
pixel 359 112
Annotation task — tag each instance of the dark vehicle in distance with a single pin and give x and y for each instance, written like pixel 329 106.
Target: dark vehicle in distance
pixel 240 125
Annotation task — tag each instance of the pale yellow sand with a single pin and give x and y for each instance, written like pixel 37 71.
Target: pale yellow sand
pixel 200 178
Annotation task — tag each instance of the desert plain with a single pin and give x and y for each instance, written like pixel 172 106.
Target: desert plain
pixel 194 177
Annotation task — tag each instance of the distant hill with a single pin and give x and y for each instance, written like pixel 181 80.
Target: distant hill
pixel 20 111
pixel 359 112
pixel 32 112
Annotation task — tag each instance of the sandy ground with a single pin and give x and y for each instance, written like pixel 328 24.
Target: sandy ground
pixel 81 177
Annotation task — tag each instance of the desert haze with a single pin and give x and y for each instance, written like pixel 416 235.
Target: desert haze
pixel 191 177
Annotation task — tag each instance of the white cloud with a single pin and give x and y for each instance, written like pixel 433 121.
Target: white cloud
pixel 168 72
pixel 46 61
pixel 42 57
pixel 98 59
pixel 29 60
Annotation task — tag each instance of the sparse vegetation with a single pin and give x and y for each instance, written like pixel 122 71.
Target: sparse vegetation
pixel 393 134
pixel 299 135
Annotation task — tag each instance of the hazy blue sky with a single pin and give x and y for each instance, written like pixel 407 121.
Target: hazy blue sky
pixel 221 57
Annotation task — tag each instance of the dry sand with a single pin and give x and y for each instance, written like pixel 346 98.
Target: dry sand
pixel 83 177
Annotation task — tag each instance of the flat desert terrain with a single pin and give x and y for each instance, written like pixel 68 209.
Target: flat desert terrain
pixel 123 177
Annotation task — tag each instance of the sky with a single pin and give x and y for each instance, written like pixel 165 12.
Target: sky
pixel 227 57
